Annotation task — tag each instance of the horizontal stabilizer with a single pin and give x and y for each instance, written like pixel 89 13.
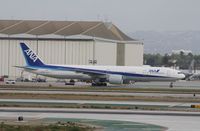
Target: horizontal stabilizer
pixel 25 67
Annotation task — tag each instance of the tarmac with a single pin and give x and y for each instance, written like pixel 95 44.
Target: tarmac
pixel 182 84
pixel 174 121
pixel 170 120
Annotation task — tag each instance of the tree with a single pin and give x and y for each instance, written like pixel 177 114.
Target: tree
pixel 165 60
pixel 181 60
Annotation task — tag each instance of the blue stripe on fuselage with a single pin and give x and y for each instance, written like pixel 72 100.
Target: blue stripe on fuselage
pixel 101 72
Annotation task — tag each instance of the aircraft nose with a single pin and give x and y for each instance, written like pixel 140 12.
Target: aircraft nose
pixel 181 76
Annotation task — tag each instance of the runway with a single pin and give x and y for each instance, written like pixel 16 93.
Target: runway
pixel 175 121
pixel 182 84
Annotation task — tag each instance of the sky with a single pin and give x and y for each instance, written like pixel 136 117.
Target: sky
pixel 128 15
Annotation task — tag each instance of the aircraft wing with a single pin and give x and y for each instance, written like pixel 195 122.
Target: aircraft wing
pixel 91 72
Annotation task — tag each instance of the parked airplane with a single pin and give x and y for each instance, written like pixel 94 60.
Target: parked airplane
pixel 100 75
pixel 191 74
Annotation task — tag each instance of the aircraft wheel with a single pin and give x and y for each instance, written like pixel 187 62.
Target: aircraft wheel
pixel 104 84
pixel 171 85
pixel 99 84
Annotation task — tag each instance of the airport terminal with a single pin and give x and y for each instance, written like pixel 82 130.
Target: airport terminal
pixel 67 42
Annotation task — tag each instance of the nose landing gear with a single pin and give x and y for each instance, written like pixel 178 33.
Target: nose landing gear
pixel 171 85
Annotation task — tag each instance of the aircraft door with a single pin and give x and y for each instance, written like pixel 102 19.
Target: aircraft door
pixel 168 73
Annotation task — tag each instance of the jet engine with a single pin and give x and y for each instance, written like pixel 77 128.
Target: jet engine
pixel 115 79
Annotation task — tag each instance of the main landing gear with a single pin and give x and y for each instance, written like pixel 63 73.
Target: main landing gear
pixel 71 82
pixel 99 84
pixel 171 85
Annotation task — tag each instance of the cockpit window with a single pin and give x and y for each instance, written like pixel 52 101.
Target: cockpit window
pixel 180 72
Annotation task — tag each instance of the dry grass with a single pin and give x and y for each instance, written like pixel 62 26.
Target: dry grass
pixel 69 126
pixel 102 89
pixel 97 97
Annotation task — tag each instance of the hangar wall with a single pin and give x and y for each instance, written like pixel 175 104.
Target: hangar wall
pixel 65 51
pixel 133 54
pixel 67 42
pixel 50 51
pixel 105 53
pixel 4 57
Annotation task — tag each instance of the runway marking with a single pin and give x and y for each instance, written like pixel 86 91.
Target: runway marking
pixel 179 104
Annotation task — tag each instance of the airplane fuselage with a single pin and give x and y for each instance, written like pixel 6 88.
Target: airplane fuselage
pixel 137 73
pixel 111 74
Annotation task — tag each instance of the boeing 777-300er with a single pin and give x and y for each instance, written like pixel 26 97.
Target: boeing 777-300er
pixel 99 75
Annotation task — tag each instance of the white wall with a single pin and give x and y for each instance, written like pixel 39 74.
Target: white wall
pixel 79 52
pixel 16 57
pixel 134 54
pixel 11 55
pixel 65 52
pixel 105 53
pixel 4 49
pixel 50 51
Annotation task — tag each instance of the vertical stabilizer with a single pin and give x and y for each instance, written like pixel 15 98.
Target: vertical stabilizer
pixel 31 58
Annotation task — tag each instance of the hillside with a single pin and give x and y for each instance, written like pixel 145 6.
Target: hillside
pixel 166 41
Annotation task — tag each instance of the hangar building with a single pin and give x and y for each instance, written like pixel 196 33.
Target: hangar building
pixel 66 42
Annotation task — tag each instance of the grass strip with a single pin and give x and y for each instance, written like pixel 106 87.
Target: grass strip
pixel 98 97
pixel 103 89
pixel 69 126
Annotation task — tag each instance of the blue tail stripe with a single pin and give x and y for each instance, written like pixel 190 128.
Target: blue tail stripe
pixel 30 57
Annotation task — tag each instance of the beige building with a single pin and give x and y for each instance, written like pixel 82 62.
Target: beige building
pixel 66 42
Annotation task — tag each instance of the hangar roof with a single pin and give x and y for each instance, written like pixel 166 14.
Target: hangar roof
pixel 63 28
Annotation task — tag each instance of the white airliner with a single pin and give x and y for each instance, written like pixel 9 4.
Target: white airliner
pixel 100 75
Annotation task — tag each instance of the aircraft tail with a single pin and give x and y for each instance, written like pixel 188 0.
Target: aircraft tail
pixel 31 58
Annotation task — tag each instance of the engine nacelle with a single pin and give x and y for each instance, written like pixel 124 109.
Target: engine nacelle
pixel 115 79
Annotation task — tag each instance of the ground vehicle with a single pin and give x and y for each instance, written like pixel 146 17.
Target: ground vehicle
pixel 20 79
pixel 38 80
pixel 1 78
pixel 10 82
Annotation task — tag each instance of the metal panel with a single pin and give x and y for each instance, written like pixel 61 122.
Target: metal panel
pixel 69 55
pixel 78 52
pixel 66 52
pixel 88 52
pixel 4 46
pixel 100 29
pixel 11 55
pixel 120 54
pixel 105 53
pixel 134 54
pixel 52 52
